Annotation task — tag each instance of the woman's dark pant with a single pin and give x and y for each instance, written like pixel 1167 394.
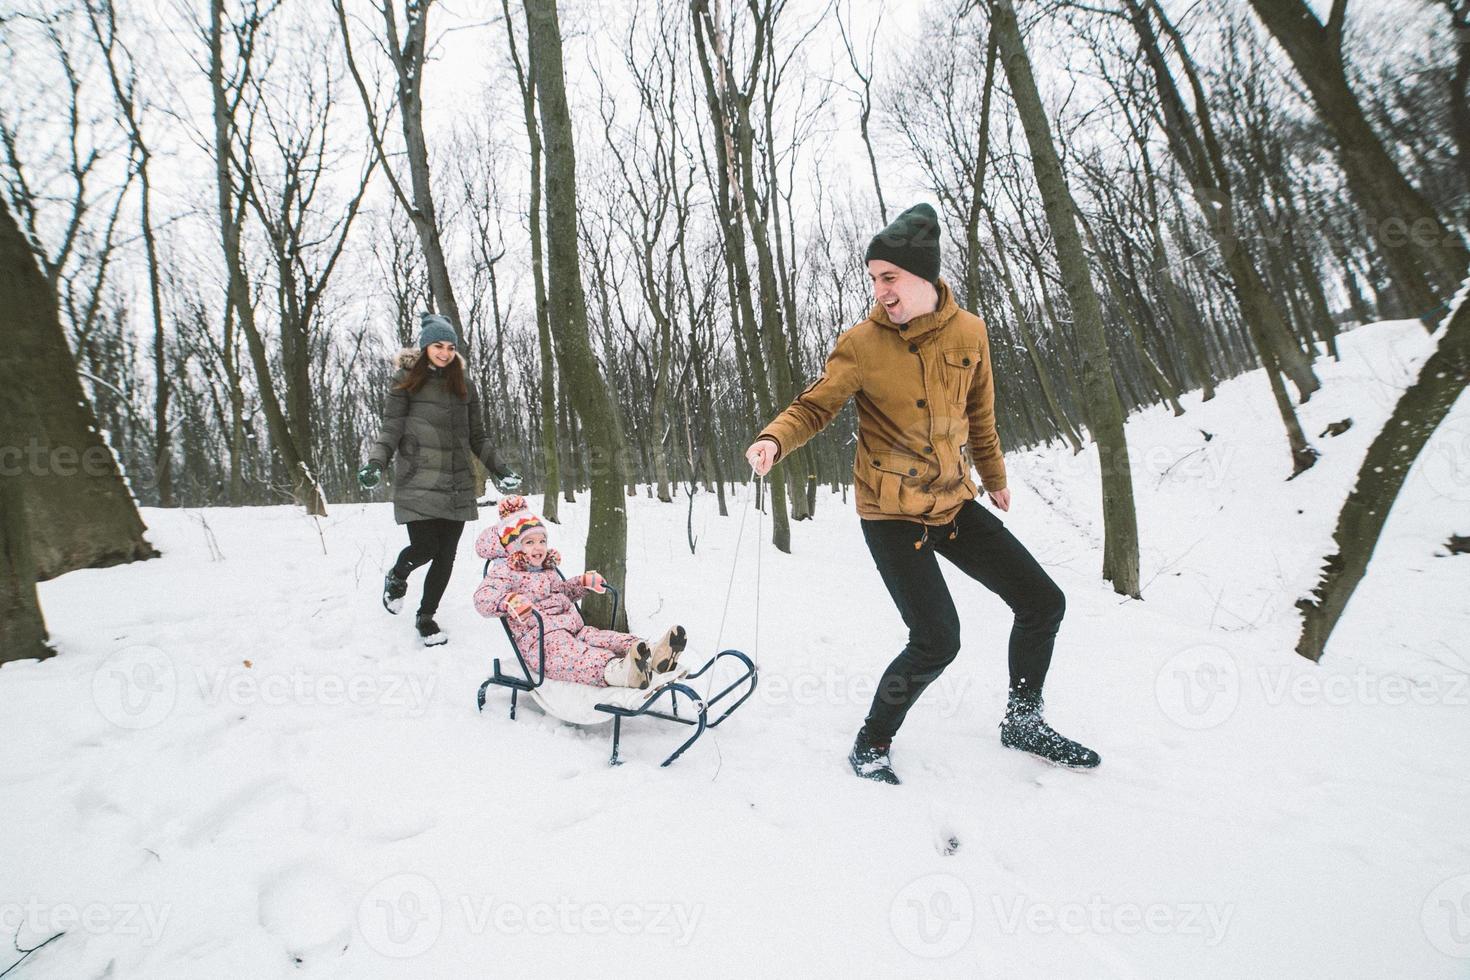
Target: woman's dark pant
pixel 979 545
pixel 431 542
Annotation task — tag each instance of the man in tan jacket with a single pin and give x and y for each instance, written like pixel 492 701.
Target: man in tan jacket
pixel 919 367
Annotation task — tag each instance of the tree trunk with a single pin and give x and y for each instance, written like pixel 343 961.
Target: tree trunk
pixel 1192 141
pixel 773 331
pixel 569 437
pixel 102 19
pixel 22 627
pixel 163 453
pixel 1419 411
pixel 1460 89
pixel 1105 411
pixel 865 105
pixel 78 511
pixel 728 209
pixel 408 56
pixel 305 485
pixel 607 532
pixel 409 62
pixel 1163 387
pixel 1186 326
pixel 551 480
pixel 1058 414
pixel 229 359
pixel 977 181
pixel 1426 259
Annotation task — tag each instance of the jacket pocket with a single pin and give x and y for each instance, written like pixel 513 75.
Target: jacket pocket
pixel 408 458
pixel 959 370
pixel 898 476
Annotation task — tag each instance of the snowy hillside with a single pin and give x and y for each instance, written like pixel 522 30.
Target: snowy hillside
pixel 240 766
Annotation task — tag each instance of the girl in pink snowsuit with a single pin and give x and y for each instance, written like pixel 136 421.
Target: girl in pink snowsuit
pixel 522 576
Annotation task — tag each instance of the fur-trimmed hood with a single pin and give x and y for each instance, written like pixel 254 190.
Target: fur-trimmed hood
pixel 405 359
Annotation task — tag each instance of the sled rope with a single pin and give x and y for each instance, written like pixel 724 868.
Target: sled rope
pixel 729 589
pixel 755 649
pixel 734 566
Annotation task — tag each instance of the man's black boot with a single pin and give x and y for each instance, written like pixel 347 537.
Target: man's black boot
pixel 1025 730
pixel 870 759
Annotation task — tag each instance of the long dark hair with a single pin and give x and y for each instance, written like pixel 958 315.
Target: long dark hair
pixel 419 373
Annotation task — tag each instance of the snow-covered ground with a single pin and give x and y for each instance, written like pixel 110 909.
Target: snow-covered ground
pixel 240 766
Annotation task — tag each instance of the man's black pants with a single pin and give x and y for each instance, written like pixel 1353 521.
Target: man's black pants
pixel 431 542
pixel 978 544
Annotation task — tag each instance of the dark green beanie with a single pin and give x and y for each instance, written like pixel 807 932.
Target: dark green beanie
pixel 911 242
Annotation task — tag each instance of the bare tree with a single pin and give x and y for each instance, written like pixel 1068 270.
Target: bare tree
pixel 547 391
pixel 227 96
pixel 65 503
pixel 76 161
pixel 651 165
pixel 607 532
pixel 407 54
pixel 1104 411
pixel 761 341
pixel 1058 414
pixel 1422 407
pixel 123 76
pixel 1197 150
pixel 1459 94
pixel 862 70
pixel 307 234
pixel 1427 259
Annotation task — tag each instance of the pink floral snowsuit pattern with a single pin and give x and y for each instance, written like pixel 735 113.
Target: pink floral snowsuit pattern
pixel 574 651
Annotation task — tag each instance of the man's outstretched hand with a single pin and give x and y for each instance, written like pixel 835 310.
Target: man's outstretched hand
pixel 762 455
pixel 1001 498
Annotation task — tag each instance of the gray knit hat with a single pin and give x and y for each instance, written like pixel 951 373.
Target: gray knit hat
pixel 434 329
pixel 911 242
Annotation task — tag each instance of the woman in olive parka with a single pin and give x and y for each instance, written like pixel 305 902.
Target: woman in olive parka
pixel 431 420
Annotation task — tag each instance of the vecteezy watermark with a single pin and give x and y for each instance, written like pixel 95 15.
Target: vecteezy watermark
pixel 43 459
pixel 565 916
pixel 136 687
pixel 1363 687
pixel 933 916
pixel 834 686
pixel 403 915
pixel 1201 463
pixel 238 685
pixel 1198 687
pixel 140 920
pixel 1446 917
pixel 1444 463
pixel 1098 916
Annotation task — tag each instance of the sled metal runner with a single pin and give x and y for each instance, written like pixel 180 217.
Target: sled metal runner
pixel 661 702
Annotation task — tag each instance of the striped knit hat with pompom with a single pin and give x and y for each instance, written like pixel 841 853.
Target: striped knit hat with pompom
pixel 515 520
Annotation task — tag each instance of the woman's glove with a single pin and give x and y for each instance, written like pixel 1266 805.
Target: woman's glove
pixel 518 605
pixel 370 475
pixel 509 483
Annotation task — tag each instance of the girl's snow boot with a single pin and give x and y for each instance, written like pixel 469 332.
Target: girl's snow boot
pixel 666 651
pixel 632 669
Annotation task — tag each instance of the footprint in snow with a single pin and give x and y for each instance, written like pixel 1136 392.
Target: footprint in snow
pixel 310 910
